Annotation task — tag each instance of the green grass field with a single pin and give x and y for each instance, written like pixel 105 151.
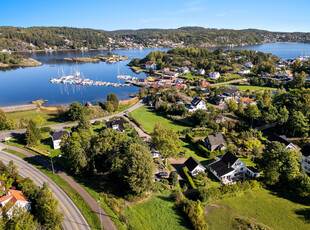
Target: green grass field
pixel 250 87
pixel 157 213
pixel 149 118
pixel 264 207
pixel 50 117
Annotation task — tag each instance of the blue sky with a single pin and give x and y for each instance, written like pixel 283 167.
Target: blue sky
pixel 273 15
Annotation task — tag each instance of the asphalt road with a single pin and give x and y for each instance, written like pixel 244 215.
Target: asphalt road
pixel 73 219
pixel 12 133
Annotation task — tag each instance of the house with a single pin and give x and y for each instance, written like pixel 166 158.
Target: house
pixel 215 142
pixel 232 91
pixel 244 71
pixel 201 72
pixel 214 75
pixel 197 103
pixel 307 79
pixel 194 166
pixel 150 65
pixel 14 199
pixel 184 70
pixel 56 138
pixel 178 85
pixel 237 57
pixel 167 77
pixel 205 83
pixel 170 73
pixel 228 168
pixel 116 124
pixel 248 64
pixel 284 76
pixel 305 158
pixel 282 139
pixel 155 154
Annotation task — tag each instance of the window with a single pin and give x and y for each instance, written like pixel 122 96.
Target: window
pixel 241 169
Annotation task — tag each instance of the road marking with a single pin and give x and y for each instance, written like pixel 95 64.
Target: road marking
pixel 34 176
pixel 65 209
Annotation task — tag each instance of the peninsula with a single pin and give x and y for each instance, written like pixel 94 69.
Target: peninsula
pixel 16 60
pixel 109 58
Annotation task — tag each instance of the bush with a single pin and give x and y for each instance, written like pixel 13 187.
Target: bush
pixel 189 178
pixel 46 130
pixel 208 194
pixel 97 122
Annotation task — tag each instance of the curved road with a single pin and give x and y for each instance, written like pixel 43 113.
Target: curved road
pixel 73 219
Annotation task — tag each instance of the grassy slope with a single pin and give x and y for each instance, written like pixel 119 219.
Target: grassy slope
pixel 251 87
pixel 157 213
pixel 149 119
pixel 261 205
pixel 50 117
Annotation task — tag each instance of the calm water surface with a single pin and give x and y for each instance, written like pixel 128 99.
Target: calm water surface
pixel 22 85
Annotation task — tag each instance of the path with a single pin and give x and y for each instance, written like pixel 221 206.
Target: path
pixel 107 222
pixel 16 108
pixel 141 133
pixel 73 217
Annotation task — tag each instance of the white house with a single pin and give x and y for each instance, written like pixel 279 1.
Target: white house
pixel 17 200
pixel 116 124
pixel 155 154
pixel 244 71
pixel 56 138
pixel 228 168
pixel 184 70
pixel 305 158
pixel 194 166
pixel 197 103
pixel 201 72
pixel 248 64
pixel 150 65
pixel 214 75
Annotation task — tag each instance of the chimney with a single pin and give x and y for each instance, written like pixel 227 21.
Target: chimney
pixel 228 164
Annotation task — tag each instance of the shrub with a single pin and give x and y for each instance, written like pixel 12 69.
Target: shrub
pixel 189 178
pixel 97 122
pixel 46 130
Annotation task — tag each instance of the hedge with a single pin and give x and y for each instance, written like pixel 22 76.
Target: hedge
pixel 199 146
pixel 189 178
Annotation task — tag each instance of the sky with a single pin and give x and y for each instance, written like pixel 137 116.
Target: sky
pixel 272 15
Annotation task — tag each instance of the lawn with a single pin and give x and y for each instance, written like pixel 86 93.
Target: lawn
pixel 251 87
pixel 190 151
pixel 157 213
pixel 149 118
pixel 266 208
pixel 50 117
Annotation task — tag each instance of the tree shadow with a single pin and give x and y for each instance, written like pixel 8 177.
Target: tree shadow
pixel 304 214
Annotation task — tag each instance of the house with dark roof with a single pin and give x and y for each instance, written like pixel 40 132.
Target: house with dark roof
pixel 228 168
pixel 281 139
pixel 215 142
pixel 231 92
pixel 305 158
pixel 115 124
pixel 197 103
pixel 194 166
pixel 56 138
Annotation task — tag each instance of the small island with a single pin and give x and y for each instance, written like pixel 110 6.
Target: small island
pixel 109 58
pixel 16 60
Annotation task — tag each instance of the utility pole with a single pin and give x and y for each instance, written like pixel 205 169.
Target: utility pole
pixel 100 212
pixel 51 161
pixel 125 211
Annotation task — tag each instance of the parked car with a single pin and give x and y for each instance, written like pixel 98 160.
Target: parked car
pixel 162 174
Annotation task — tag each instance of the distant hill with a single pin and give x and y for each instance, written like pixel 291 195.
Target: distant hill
pixel 40 38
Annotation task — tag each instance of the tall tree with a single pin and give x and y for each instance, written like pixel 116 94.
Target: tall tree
pixel 252 112
pixel 165 141
pixel 76 110
pixel 112 98
pixel 33 134
pixel 299 122
pixel 283 116
pixel 3 121
pixel 138 168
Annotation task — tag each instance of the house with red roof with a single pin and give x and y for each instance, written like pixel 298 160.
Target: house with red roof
pixel 150 65
pixel 248 64
pixel 170 73
pixel 14 199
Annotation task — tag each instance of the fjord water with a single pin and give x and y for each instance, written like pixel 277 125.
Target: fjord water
pixel 20 86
